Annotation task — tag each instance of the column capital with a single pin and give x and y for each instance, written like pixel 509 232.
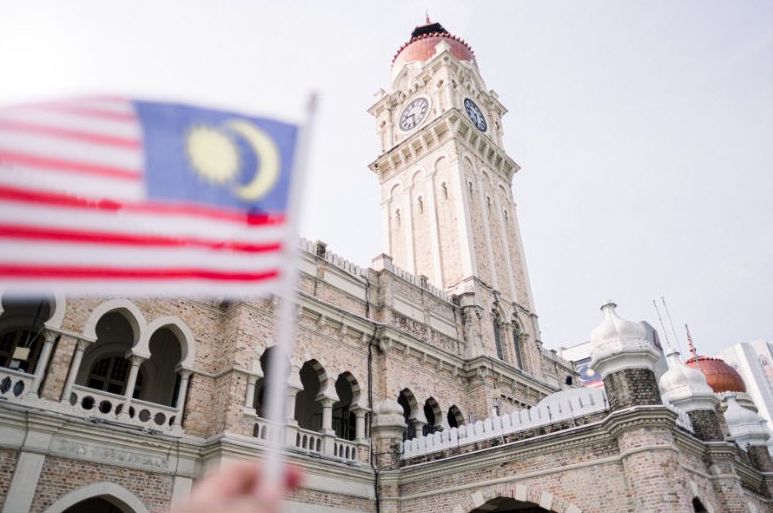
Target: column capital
pixel 327 402
pixel 50 336
pixel 135 359
pixel 82 344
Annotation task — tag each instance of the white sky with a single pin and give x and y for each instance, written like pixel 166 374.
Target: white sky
pixel 644 129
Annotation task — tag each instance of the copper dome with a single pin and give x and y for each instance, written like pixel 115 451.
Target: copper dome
pixel 424 39
pixel 720 376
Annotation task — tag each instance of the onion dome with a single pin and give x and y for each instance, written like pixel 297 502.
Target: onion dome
pixel 424 39
pixel 685 387
pixel 745 426
pixel 720 376
pixel 620 344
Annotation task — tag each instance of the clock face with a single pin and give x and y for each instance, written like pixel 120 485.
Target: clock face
pixel 413 114
pixel 476 116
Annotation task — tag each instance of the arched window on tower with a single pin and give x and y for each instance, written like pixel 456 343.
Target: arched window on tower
pixel 455 417
pixel 517 335
pixel 697 506
pixel 397 217
pixel 434 416
pixel 498 339
pixel 421 205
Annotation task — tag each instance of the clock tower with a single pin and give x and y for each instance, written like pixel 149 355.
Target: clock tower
pixel 446 182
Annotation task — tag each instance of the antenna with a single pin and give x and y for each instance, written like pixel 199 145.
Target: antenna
pixel 665 333
pixel 668 314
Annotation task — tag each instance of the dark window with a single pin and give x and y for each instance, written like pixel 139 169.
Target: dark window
pixel 517 345
pixel 498 341
pixel 110 375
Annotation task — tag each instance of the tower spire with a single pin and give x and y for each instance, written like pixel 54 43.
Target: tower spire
pixel 426 16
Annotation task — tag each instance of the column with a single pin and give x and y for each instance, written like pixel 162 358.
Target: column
pixel 359 427
pixel 249 397
pixel 327 415
pixel 437 263
pixel 328 434
pixel 293 387
pixel 360 416
pixel 42 365
pixel 75 366
pixel 136 361
pixel 182 393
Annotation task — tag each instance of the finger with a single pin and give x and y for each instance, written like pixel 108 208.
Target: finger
pixel 232 480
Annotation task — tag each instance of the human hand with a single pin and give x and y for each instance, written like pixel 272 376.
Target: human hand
pixel 236 488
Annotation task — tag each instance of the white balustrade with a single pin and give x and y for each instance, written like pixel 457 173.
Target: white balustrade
pixel 562 406
pixel 308 441
pixel 345 450
pixel 14 385
pixel 109 406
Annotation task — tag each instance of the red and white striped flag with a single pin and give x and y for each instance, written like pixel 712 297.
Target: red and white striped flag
pixel 118 196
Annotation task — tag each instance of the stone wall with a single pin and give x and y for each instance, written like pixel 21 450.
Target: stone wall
pixel 61 476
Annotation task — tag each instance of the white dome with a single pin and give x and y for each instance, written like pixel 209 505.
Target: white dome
pixel 620 344
pixel 614 327
pixel 745 425
pixel 685 387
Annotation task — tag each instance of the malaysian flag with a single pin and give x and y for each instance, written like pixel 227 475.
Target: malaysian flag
pixel 106 195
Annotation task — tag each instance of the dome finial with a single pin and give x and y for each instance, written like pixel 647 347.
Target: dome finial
pixel 690 345
pixel 426 16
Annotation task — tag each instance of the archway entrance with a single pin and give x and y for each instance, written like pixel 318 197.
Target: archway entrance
pixel 96 505
pixel 507 505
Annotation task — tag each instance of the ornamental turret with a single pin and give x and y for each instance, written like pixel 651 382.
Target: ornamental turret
pixel 625 359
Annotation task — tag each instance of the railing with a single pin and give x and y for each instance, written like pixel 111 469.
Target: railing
pixel 575 403
pixel 110 407
pixel 345 450
pixel 308 441
pixel 553 355
pixel 14 384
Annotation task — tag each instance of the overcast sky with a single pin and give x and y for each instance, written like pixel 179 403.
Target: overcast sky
pixel 644 129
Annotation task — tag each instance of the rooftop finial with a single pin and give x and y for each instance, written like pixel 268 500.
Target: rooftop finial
pixel 690 345
pixel 426 16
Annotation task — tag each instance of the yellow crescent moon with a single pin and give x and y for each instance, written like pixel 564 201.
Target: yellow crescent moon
pixel 267 152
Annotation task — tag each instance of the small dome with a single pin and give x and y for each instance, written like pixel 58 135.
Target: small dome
pixel 619 344
pixel 744 425
pixel 720 376
pixel 424 39
pixel 685 387
pixel 614 328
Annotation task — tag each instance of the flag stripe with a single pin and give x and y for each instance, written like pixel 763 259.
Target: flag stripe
pixel 68 166
pixel 84 110
pixel 71 202
pixel 53 182
pixel 68 121
pixel 128 273
pixel 67 133
pixel 44 253
pixel 138 225
pixel 8 231
pixel 81 152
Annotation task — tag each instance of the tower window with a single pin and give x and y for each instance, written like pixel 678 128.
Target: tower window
pixel 397 216
pixel 498 341
pixel 421 205
pixel 444 187
pixel 469 186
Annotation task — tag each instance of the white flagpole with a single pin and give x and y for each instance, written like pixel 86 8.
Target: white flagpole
pixel 276 381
